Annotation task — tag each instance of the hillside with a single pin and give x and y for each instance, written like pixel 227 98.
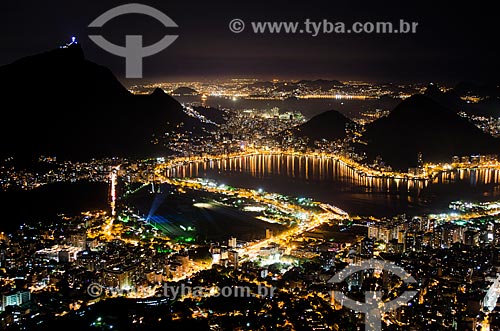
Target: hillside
pixel 59 103
pixel 330 125
pixel 420 124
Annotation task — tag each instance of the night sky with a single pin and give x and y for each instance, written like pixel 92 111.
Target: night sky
pixel 452 43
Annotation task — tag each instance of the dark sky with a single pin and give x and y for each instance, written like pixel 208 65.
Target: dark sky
pixel 452 42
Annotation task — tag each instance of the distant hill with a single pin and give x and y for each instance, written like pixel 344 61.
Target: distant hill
pixel 183 90
pixel 59 103
pixel 330 125
pixel 322 84
pixel 489 107
pixel 318 83
pixel 420 124
pixel 489 94
pixel 478 89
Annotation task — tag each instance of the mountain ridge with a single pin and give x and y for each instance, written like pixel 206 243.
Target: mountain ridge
pixel 73 108
pixel 419 124
pixel 329 125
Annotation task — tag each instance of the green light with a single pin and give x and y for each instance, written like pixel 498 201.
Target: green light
pixel 185 239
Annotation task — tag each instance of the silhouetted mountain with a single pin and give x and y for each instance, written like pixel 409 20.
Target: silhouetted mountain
pixel 455 99
pixel 489 93
pixel 447 99
pixel 160 105
pixel 183 90
pixel 420 124
pixel 489 107
pixel 63 72
pixel 478 89
pixel 213 114
pixel 330 125
pixel 59 103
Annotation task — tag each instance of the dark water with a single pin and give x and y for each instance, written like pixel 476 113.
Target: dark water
pixel 328 180
pixel 323 179
pixel 308 107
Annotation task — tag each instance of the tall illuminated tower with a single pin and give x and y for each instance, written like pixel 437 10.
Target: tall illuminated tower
pixel 112 191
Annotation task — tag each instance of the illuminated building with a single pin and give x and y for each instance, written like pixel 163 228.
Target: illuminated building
pixel 233 258
pixel 413 241
pixel 78 240
pixel 420 160
pixel 366 248
pixel 121 277
pixel 59 253
pixel 15 299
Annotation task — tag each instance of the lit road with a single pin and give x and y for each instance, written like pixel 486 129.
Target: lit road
pixel 428 171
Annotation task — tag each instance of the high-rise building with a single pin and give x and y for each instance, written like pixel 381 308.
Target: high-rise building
pixel 414 241
pixel 496 234
pixel 437 238
pixel 233 258
pixel 380 232
pixel 232 242
pixel 471 238
pixel 183 259
pixel 373 231
pixel 409 242
pixel 420 160
pixel 122 277
pixel 215 251
pixel 78 240
pixel 366 248
pixel 452 234
pixel 15 299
